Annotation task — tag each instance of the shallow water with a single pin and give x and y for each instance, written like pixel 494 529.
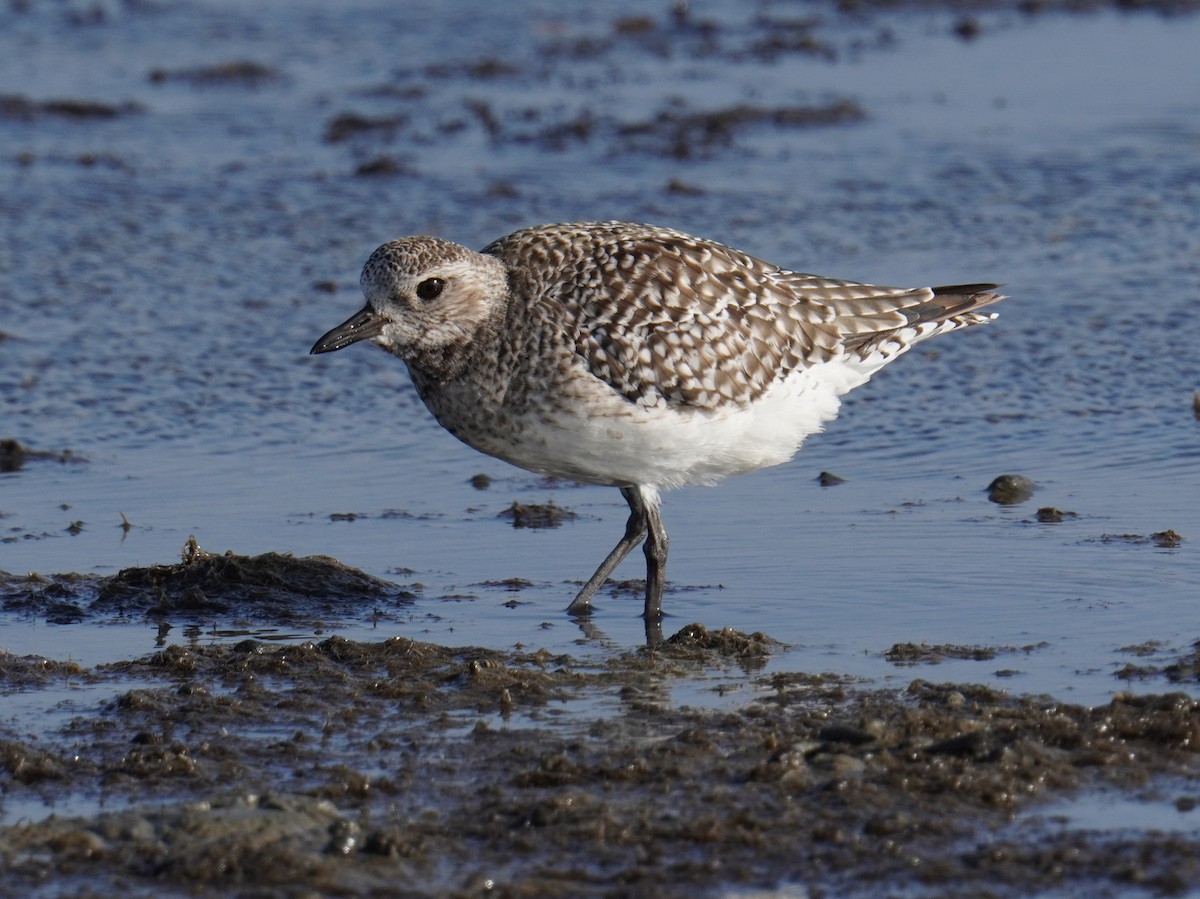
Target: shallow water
pixel 1116 812
pixel 164 271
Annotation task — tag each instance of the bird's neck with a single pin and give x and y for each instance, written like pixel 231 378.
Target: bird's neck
pixel 442 364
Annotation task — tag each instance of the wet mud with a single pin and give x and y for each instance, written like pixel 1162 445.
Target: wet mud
pixel 345 767
pixel 367 768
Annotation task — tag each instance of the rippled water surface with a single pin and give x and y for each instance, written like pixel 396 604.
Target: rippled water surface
pixel 163 271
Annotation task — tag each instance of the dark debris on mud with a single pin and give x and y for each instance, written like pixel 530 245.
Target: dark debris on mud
pixel 238 72
pixel 14 455
pixel 1185 669
pixel 924 653
pixel 278 586
pixel 1054 515
pixel 1164 539
pixel 375 768
pixel 20 671
pixel 674 131
pixel 468 98
pixel 696 638
pixel 537 515
pixel 683 133
pixel 15 106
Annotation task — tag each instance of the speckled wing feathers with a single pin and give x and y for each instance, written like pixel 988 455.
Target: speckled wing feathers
pixel 665 318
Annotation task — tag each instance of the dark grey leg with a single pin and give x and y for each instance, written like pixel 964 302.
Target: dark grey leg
pixel 635 532
pixel 656 563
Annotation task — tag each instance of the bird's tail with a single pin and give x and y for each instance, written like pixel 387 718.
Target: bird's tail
pixel 944 309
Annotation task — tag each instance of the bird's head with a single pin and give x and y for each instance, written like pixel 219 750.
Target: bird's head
pixel 426 300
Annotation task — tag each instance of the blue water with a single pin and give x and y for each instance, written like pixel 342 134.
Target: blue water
pixel 158 293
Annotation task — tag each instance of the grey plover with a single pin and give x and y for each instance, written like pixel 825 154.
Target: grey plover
pixel 634 356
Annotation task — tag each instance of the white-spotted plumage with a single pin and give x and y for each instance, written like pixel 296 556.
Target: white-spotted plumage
pixel 634 356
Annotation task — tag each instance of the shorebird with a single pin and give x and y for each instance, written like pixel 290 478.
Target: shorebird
pixel 634 356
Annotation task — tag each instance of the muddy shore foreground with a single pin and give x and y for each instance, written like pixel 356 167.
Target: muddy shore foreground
pixel 372 768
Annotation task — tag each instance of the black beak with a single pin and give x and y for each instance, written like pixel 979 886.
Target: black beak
pixel 362 325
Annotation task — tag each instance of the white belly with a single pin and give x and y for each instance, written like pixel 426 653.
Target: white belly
pixel 606 440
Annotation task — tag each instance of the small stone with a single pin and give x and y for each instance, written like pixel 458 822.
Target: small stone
pixel 1010 489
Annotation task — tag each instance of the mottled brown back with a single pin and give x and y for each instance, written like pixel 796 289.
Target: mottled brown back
pixel 666 318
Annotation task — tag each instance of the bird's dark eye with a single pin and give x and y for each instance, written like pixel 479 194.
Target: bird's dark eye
pixel 430 288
